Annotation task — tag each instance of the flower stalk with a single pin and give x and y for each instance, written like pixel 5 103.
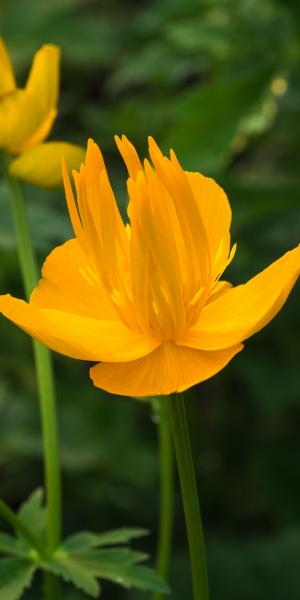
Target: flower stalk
pixel 189 493
pixel 166 512
pixel 44 371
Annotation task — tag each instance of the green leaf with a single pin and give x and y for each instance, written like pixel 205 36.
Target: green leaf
pixel 85 540
pixel 205 120
pixel 123 571
pixel 11 545
pixel 144 578
pixel 71 570
pixel 33 513
pixel 109 559
pixel 15 575
pixel 79 561
pixel 117 565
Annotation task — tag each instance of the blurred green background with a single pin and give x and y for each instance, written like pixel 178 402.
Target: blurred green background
pixel 220 82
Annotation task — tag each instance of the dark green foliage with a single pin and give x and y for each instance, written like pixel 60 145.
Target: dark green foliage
pixel 81 559
pixel 15 575
pixel 220 81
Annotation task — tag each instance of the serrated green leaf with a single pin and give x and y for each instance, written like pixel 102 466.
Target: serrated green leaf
pixel 33 513
pixel 144 578
pixel 11 545
pixel 85 540
pixel 107 559
pixel 71 570
pixel 15 576
pixel 116 565
pixel 126 575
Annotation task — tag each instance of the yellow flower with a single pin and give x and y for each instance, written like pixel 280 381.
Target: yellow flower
pixel 27 116
pixel 146 300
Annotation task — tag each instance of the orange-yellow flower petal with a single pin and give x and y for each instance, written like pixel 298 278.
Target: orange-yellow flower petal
pixel 216 216
pixel 167 369
pixel 21 115
pixel 7 78
pixel 43 80
pixel 69 284
pixel 99 228
pixel 43 83
pixel 27 115
pixel 129 155
pixel 77 336
pixel 41 164
pixel 245 309
pixel 146 299
pixel 42 131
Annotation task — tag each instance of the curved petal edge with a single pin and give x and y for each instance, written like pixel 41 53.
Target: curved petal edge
pixel 167 369
pixel 76 336
pixel 245 309
pixel 40 165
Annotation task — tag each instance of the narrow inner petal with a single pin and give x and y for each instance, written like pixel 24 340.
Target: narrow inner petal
pixel 99 228
pixel 167 229
pixel 160 270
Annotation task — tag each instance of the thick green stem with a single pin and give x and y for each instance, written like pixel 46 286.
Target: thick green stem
pixel 44 369
pixel 189 496
pixel 19 526
pixel 166 514
pixel 51 586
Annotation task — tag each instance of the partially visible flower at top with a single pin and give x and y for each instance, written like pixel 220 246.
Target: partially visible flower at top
pixel 27 116
pixel 146 300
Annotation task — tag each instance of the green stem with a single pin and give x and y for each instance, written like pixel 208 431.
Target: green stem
pixel 52 586
pixel 166 513
pixel 44 369
pixel 25 250
pixel 19 526
pixel 189 496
